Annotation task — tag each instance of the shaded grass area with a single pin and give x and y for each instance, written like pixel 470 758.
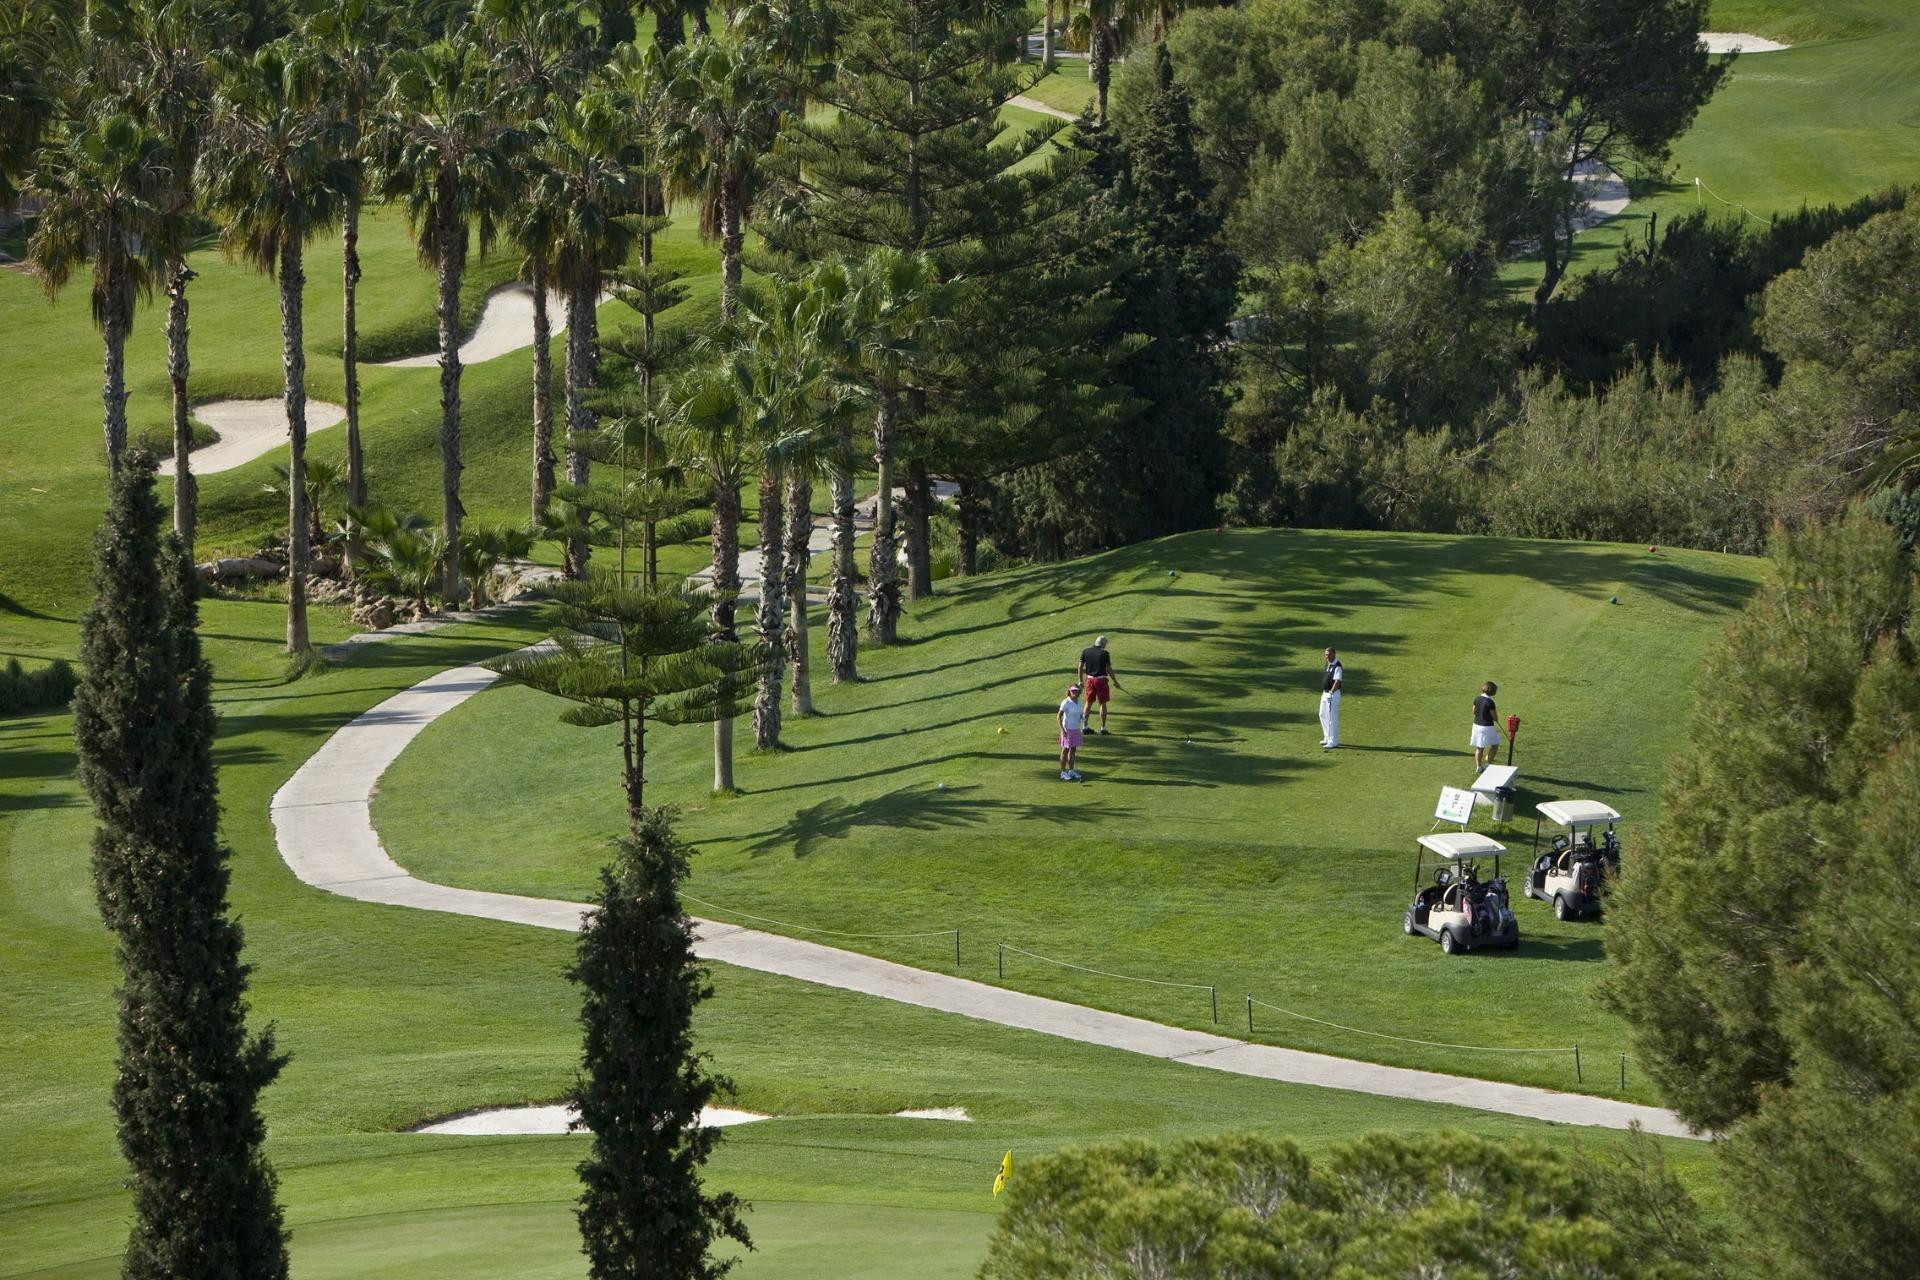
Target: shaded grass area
pixel 1213 843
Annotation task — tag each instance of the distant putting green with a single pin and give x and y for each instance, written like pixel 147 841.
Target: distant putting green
pixel 1213 843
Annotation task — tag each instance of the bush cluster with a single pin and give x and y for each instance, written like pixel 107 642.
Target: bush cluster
pixel 46 688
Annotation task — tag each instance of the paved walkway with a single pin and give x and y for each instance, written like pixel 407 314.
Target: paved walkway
pixel 324 826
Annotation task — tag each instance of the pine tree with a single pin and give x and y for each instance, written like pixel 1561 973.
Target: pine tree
pixel 644 1214
pixel 910 160
pixel 1158 470
pixel 189 1078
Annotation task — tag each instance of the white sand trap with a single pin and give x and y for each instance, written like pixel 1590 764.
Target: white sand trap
pixel 505 324
pixel 249 428
pixel 1739 42
pixel 555 1118
pixel 936 1113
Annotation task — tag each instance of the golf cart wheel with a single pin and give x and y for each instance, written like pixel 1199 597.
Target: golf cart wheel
pixel 1406 923
pixel 1513 939
pixel 1561 911
pixel 1447 943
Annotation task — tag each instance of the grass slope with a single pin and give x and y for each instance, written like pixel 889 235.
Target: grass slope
pixel 1214 843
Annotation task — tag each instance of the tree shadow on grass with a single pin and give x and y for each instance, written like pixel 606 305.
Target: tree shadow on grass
pixel 916 807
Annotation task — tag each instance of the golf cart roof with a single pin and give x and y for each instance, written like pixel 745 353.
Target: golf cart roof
pixel 1577 813
pixel 1462 844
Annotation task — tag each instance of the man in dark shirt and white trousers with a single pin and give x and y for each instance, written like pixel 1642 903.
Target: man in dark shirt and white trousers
pixel 1096 670
pixel 1330 680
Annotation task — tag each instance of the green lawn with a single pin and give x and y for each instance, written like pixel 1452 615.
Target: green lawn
pixel 1213 843
pixel 396 1016
pixel 1827 121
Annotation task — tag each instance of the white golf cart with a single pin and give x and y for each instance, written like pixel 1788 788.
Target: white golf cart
pixel 1571 868
pixel 1458 909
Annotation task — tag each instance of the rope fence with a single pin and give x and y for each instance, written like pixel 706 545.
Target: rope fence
pixel 1699 185
pixel 1002 949
pixel 1212 991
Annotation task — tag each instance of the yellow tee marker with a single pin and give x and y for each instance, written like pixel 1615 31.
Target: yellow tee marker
pixel 1006 1171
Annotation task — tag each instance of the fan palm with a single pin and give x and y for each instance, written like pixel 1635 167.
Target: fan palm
pixel 541 48
pixel 1104 29
pixel 276 168
pixel 36 37
pixel 152 61
pixel 105 190
pixel 785 332
pixel 715 434
pixel 352 36
pixel 580 175
pixel 447 155
pixel 729 107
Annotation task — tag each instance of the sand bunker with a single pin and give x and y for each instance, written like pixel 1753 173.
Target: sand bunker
pixel 505 324
pixel 1739 41
pixel 249 428
pixel 554 1119
pixel 936 1113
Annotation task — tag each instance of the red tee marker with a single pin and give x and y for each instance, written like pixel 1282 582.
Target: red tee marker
pixel 1513 731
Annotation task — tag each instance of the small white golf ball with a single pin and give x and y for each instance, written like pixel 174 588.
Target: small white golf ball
pixel 941 785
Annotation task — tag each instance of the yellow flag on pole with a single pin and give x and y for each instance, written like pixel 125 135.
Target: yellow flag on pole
pixel 1006 1172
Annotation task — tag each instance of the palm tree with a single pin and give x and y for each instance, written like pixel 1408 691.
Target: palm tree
pixel 447 156
pixel 541 48
pixel 352 35
pixel 580 175
pixel 729 107
pixel 153 62
pixel 277 169
pixel 105 190
pixel 893 299
pixel 36 38
pixel 785 333
pixel 1104 28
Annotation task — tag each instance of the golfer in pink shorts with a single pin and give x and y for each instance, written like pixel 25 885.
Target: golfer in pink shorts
pixel 1072 718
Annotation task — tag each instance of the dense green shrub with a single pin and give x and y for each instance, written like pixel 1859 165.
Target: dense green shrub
pixel 46 688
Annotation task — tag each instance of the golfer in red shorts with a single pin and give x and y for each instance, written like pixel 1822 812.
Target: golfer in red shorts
pixel 1096 671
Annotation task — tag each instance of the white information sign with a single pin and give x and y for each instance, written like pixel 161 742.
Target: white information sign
pixel 1456 805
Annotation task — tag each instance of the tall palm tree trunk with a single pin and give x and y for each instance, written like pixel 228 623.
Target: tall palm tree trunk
pixel 919 507
pixel 726 585
pixel 843 633
pixel 452 261
pixel 293 356
pixel 113 383
pixel 186 490
pixel 770 615
pixel 542 395
pixel 356 550
pixel 732 244
pixel 883 586
pixel 581 298
pixel 799 557
pixel 1046 39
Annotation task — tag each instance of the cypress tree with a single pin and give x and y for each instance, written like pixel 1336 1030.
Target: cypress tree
pixel 187 1089
pixel 643 1213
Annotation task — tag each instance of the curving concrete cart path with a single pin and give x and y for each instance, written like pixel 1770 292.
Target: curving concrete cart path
pixel 249 428
pixel 324 825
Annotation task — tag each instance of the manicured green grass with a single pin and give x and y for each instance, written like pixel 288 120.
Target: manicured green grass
pixel 1067 89
pixel 1825 122
pixel 1214 843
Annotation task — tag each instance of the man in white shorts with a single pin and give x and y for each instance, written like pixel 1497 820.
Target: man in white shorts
pixel 1330 681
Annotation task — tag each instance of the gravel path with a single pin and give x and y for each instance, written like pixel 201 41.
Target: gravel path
pixel 249 428
pixel 323 822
